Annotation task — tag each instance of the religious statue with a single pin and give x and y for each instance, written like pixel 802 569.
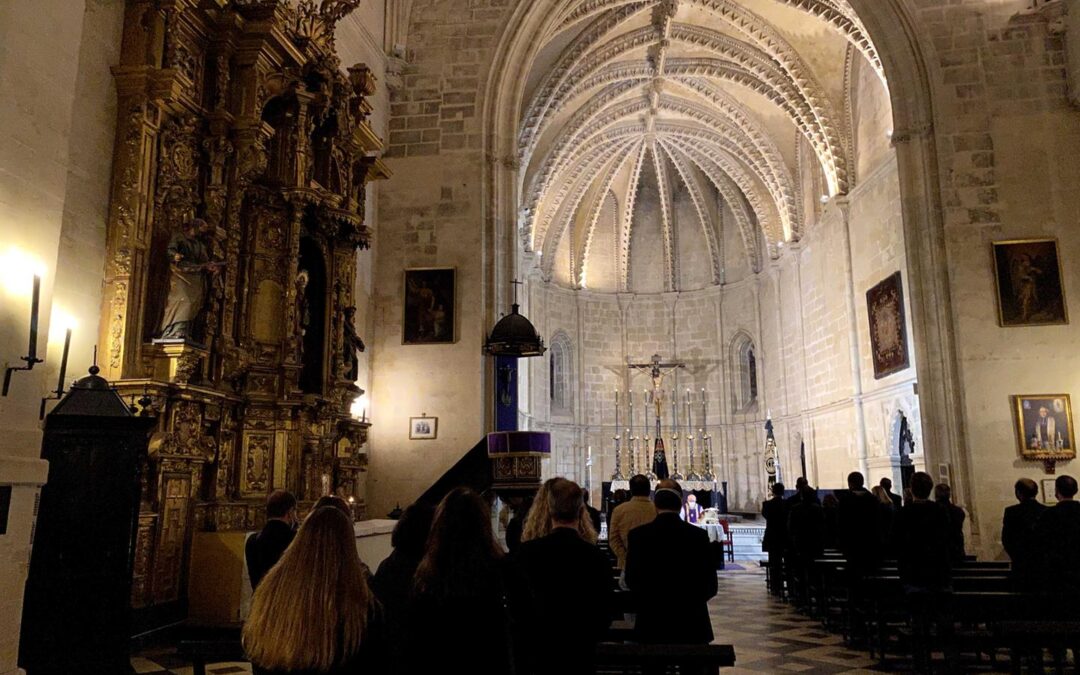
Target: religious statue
pixel 303 312
pixel 189 263
pixel 655 368
pixel 352 344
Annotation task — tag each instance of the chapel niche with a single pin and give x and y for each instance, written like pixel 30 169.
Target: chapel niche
pixel 236 220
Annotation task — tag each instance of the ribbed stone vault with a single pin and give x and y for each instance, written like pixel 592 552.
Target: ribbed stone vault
pixel 708 108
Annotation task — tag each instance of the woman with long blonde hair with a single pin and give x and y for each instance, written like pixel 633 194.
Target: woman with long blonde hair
pixel 313 613
pixel 538 520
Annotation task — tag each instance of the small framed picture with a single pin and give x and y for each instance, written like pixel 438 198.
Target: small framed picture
pixel 423 428
pixel 1030 291
pixel 429 306
pixel 1049 490
pixel 1044 426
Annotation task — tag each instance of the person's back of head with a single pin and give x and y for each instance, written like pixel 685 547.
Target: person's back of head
pixel 886 483
pixel 921 485
pixel 1025 490
pixel 412 529
pixel 942 493
pixel 567 503
pixel 1065 488
pixel 668 495
pixel 335 502
pixel 461 549
pixel 280 504
pixel 640 486
pixel 808 493
pixel 311 610
pixel 778 490
pixel 538 519
pixel 855 481
pixel 881 495
pixel 800 483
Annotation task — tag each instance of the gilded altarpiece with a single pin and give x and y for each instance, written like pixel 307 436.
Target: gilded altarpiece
pixel 242 156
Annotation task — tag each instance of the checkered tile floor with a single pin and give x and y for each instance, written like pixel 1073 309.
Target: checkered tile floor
pixel 769 637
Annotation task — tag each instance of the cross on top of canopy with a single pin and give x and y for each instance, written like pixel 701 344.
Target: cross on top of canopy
pixel 719 102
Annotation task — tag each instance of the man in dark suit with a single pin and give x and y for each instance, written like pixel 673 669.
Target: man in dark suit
pixel 572 585
pixel 897 502
pixel 858 527
pixel 943 496
pixel 264 549
pixel 670 571
pixel 1057 536
pixel 921 538
pixel 1018 532
pixel 775 540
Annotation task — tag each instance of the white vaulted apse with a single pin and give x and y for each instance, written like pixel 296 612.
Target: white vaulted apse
pixel 652 127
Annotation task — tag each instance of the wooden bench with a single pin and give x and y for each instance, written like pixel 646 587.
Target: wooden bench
pixel 627 658
pixel 202 652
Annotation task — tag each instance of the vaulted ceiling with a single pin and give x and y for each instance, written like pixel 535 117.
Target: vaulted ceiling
pixel 715 104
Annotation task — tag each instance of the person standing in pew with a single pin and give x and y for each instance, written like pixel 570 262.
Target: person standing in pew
pixel 263 550
pixel 572 587
pixel 921 537
pixel 943 496
pixel 886 484
pixel 629 515
pixel 858 526
pixel 1057 537
pixel 775 540
pixel 671 572
pixel 594 513
pixel 922 543
pixel 806 528
pixel 1018 532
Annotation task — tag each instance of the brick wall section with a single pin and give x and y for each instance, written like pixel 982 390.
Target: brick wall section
pixel 450 46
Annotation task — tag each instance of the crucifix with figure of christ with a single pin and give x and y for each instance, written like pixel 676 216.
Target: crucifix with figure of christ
pixel 658 370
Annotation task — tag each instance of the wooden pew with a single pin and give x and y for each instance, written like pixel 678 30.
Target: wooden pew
pixel 619 658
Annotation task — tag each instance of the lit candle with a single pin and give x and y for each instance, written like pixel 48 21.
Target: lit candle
pixel 34 303
pixel 63 363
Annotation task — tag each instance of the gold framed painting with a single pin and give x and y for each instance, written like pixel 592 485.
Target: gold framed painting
pixel 429 306
pixel 1044 426
pixel 1030 289
pixel 423 428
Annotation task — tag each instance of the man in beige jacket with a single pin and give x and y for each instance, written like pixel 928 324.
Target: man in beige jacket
pixel 638 511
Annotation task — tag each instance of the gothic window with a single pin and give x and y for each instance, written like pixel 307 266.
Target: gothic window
pixel 559 374
pixel 745 367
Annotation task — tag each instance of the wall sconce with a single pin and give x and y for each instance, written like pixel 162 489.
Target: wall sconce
pixel 31 358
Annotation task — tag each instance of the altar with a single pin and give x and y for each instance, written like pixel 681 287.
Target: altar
pixel 659 444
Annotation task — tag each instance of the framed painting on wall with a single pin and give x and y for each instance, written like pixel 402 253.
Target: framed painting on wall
pixel 888 330
pixel 1044 426
pixel 1029 283
pixel 429 305
pixel 423 428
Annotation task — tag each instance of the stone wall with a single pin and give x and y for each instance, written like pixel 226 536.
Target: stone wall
pixel 58 112
pixel 1003 137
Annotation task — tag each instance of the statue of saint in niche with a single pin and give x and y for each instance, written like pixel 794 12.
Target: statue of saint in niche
pixel 189 263
pixel 352 346
pixel 303 311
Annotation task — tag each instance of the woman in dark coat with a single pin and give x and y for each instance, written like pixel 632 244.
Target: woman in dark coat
pixel 470 606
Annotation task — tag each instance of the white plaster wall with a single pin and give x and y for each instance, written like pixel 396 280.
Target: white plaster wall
pixel 55 148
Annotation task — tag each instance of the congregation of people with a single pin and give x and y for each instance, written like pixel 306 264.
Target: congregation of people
pixel 879 560
pixel 449 597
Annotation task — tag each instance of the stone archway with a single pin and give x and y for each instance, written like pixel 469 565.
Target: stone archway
pixel 892 27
